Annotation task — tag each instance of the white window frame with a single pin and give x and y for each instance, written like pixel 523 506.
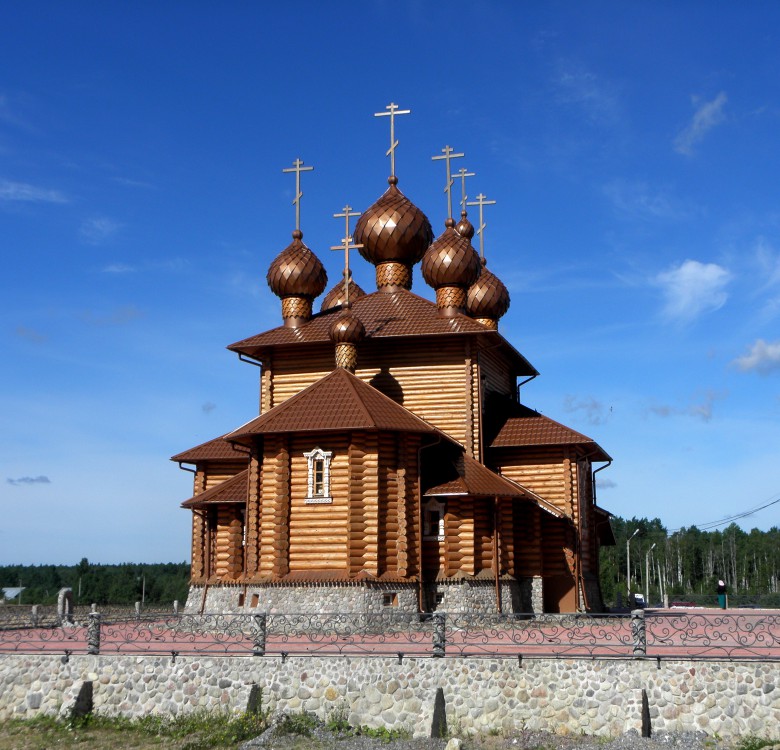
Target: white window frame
pixel 312 457
pixel 433 505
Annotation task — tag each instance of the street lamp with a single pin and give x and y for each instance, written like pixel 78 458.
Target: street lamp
pixel 647 573
pixel 628 563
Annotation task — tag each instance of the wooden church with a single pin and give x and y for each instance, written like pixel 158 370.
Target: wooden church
pixel 392 465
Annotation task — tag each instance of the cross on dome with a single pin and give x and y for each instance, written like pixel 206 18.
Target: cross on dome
pixel 346 246
pixel 481 202
pixel 298 167
pixel 393 111
pixel 463 174
pixel 447 155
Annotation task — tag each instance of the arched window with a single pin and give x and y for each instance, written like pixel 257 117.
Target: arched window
pixel 318 485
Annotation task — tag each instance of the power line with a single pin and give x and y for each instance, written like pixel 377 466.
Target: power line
pixel 728 519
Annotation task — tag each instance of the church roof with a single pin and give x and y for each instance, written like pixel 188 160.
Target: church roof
pixel 527 427
pixel 385 314
pixel 336 403
pixel 232 490
pixel 217 449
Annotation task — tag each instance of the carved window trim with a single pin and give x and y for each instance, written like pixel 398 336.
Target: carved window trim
pixel 318 483
pixel 433 520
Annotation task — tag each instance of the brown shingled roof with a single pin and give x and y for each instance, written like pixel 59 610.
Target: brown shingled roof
pixel 338 402
pixel 384 315
pixel 526 427
pixel 232 490
pixel 217 449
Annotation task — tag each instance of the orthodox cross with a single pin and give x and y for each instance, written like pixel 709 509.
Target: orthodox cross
pixel 393 142
pixel 481 202
pixel 347 246
pixel 298 167
pixel 447 155
pixel 463 174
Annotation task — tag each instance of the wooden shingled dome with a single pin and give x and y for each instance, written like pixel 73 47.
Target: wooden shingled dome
pixel 488 298
pixel 336 296
pixel 464 227
pixel 394 235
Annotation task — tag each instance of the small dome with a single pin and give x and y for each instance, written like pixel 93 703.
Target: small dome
pixel 335 297
pixel 297 271
pixel 393 229
pixel 487 297
pixel 450 260
pixel 464 227
pixel 347 328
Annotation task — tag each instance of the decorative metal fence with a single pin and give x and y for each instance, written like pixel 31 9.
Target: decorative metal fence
pixel 648 634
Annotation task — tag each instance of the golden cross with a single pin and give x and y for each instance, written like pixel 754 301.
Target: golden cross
pixel 347 246
pixel 481 202
pixel 463 174
pixel 448 154
pixel 393 142
pixel 298 167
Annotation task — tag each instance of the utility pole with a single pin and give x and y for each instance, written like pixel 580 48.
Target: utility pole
pixel 628 564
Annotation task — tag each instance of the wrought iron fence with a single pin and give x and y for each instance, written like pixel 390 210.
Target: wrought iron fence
pixel 660 635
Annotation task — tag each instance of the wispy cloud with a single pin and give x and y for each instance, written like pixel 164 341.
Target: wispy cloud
pixel 11 191
pixel 594 411
pixel 701 409
pixel 98 229
pixel 120 316
pixel 706 117
pixel 118 268
pixel 21 481
pixel 692 289
pixel 763 357
pixel 605 484
pixel 30 334
pixel 576 85
pixel 208 407
pixel 133 183
pixel 636 200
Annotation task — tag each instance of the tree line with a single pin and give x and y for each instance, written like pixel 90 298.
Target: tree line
pixel 689 562
pixel 126 583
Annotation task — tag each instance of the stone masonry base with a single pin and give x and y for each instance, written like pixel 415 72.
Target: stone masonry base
pixel 596 697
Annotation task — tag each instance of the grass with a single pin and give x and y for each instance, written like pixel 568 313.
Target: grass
pixel 196 731
pixel 753 743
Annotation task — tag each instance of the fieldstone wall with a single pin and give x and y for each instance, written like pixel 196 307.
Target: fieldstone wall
pixel 304 599
pixel 599 697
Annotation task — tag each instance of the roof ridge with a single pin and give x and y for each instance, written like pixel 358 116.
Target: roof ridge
pixel 350 378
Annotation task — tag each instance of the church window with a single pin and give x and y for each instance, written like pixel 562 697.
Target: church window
pixel 318 485
pixel 433 520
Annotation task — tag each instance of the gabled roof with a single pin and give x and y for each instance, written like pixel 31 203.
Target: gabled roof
pixel 526 427
pixel 338 402
pixel 217 449
pixel 384 315
pixel 233 490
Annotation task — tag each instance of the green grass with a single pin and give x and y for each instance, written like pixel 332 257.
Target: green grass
pixel 753 743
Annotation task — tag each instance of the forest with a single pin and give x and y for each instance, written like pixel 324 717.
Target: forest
pixel 684 565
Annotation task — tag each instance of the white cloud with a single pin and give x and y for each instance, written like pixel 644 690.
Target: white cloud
pixel 98 229
pixel 636 200
pixel 29 480
pixel 706 117
pixel 24 192
pixel 701 409
pixel 579 86
pixel 593 409
pixel 763 357
pixel 118 268
pixel 693 288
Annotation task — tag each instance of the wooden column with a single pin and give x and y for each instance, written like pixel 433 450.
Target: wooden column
pixel 281 510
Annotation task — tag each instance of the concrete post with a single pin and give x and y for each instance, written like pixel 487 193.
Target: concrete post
pixel 138 610
pixel 176 607
pixel 260 629
pixel 439 633
pixel 93 633
pixel 638 632
pixel 34 616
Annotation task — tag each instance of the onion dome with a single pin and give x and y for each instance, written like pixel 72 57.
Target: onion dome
pixel 464 227
pixel 346 332
pixel 450 266
pixel 395 234
pixel 336 297
pixel 488 299
pixel 297 276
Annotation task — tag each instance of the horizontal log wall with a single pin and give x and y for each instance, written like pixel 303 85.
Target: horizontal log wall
pixel 229 543
pixel 527 520
pixel 495 372
pixel 216 473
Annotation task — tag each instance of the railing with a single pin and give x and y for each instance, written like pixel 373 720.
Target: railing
pixel 48 615
pixel 643 634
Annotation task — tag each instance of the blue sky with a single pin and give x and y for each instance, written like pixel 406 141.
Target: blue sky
pixel 631 148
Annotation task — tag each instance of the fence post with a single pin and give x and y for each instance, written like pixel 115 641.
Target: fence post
pixel 138 610
pixel 34 615
pixel 639 632
pixel 439 633
pixel 93 633
pixel 260 625
pixel 176 607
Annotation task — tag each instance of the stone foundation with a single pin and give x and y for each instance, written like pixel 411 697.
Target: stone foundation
pixel 303 599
